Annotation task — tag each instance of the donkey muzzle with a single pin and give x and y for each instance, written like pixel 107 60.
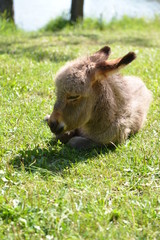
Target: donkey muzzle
pixel 56 127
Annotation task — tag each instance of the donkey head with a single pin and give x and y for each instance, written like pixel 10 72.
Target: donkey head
pixel 75 85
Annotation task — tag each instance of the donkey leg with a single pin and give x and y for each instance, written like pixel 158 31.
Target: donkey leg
pixel 65 137
pixel 81 143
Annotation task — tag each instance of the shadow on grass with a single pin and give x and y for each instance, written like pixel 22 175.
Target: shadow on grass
pixel 134 41
pixel 56 50
pixel 37 52
pixel 54 158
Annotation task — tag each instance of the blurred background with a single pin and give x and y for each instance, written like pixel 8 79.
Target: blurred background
pixel 34 14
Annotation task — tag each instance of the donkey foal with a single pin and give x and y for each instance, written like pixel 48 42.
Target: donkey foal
pixel 95 104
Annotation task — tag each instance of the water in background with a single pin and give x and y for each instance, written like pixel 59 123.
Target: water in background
pixel 34 14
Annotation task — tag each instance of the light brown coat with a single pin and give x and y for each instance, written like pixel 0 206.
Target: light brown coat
pixel 95 104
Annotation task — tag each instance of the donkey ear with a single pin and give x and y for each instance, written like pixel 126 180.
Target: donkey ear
pixel 101 55
pixel 115 64
pixel 106 68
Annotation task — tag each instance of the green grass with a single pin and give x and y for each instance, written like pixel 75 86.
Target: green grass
pixel 48 191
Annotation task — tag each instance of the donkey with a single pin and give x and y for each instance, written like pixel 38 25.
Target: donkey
pixel 95 104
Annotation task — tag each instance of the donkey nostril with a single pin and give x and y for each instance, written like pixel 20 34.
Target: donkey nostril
pixel 53 125
pixel 60 128
pixel 56 127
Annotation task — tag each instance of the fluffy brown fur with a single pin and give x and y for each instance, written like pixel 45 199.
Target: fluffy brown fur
pixel 95 104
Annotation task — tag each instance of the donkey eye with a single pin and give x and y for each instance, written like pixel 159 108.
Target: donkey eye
pixel 73 98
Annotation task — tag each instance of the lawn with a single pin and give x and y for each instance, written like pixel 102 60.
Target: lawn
pixel 49 191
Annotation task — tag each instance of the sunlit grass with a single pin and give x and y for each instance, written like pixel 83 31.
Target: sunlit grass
pixel 49 191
